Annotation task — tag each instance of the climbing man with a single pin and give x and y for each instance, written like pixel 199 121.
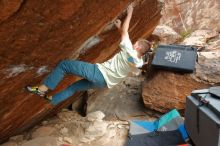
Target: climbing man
pixel 106 74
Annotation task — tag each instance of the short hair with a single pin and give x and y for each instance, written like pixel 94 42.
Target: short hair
pixel 145 45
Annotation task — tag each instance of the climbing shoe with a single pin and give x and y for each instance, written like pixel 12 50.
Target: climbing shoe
pixel 35 90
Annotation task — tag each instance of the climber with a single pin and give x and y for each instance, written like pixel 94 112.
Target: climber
pixel 98 75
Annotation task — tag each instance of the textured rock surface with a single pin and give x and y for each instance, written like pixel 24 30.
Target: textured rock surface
pixel 208 66
pixel 166 34
pixel 189 15
pixel 36 35
pixel 10 144
pixel 197 22
pixel 9 8
pixel 71 129
pixel 43 132
pixel 200 38
pixel 123 101
pixel 44 141
pixel 166 90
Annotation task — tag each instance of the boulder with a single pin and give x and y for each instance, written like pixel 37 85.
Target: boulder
pixel 166 34
pixel 164 90
pixel 10 143
pixel 43 131
pixel 208 67
pixel 36 35
pixel 95 116
pixel 167 90
pixel 200 37
pixel 95 127
pixel 42 141
pixel 123 101
pixel 187 16
pixel 214 45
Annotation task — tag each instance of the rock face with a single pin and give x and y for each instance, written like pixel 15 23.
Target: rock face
pixel 36 35
pixel 200 38
pixel 71 129
pixel 166 34
pixel 197 22
pixel 8 8
pixel 123 101
pixel 208 66
pixel 165 90
pixel 190 15
pixel 95 127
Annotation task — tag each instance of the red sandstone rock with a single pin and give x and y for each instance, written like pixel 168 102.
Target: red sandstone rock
pixel 8 8
pixel 36 35
pixel 166 90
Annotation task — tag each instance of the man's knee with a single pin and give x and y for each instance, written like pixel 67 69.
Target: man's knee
pixel 68 65
pixel 63 63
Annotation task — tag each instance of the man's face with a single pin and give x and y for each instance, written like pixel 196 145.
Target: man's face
pixel 139 49
pixel 136 47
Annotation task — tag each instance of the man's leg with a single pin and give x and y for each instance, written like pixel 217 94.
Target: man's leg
pixel 88 71
pixel 80 85
pixel 75 67
pixel 79 68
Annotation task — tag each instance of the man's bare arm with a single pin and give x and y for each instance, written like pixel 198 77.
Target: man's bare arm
pixel 124 28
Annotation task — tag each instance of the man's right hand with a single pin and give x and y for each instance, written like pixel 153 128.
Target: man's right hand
pixel 118 24
pixel 130 8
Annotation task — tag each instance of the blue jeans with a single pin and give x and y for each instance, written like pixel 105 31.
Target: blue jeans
pixel 93 78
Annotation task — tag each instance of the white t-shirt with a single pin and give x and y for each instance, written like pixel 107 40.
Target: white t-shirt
pixel 118 67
